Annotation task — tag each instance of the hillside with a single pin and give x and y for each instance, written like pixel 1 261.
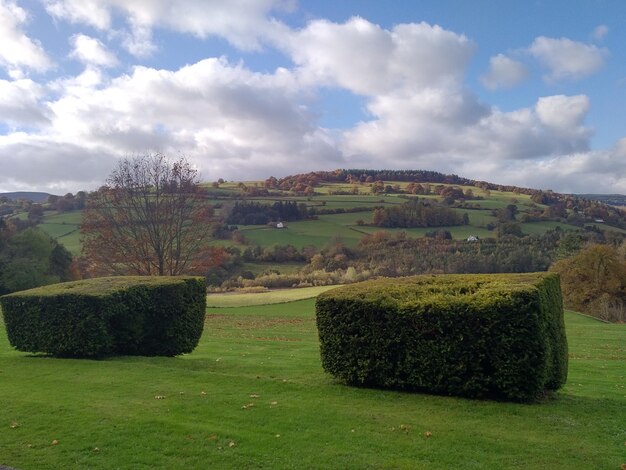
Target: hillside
pixel 37 197
pixel 309 229
pixel 612 199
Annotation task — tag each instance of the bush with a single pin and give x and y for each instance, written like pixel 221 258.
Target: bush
pixel 500 336
pixel 138 315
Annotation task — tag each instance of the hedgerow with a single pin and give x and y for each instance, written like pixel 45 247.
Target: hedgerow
pixel 137 315
pixel 500 336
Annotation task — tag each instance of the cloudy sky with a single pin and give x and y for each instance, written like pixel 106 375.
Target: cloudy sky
pixel 530 92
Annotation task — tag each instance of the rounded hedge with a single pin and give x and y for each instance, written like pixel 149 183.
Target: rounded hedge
pixel 499 336
pixel 134 315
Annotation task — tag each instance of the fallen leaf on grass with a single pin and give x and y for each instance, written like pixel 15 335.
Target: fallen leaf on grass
pixel 273 403
pixel 54 442
pixel 15 425
pixel 95 449
pixel 203 393
pixel 277 435
pixel 623 466
pixel 249 405
pixel 212 437
pixel 428 434
pixel 254 395
pixel 231 444
pixel 159 397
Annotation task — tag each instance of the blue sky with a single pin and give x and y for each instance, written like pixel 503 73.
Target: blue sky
pixel 527 93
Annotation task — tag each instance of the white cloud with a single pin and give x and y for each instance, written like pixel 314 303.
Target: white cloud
pixel 18 50
pixel 504 72
pixel 91 51
pixel 366 59
pixel 600 32
pixel 563 112
pixel 440 129
pixel 244 23
pixel 20 103
pixel 232 122
pixel 567 59
pixel 51 163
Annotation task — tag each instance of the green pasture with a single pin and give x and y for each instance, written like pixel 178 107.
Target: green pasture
pixel 283 268
pixel 479 218
pixel 65 228
pixel 253 395
pixel 531 228
pixel 458 232
pixel 301 233
pixel 264 298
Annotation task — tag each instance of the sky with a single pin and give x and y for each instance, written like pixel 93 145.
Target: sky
pixel 529 93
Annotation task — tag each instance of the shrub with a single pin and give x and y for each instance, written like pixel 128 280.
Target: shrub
pixel 138 315
pixel 500 336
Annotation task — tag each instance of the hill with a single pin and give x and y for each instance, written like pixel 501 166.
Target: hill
pixel 37 197
pixel 612 199
pixel 327 227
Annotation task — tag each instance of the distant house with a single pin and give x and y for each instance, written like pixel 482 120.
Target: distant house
pixel 599 221
pixel 280 225
pixel 472 238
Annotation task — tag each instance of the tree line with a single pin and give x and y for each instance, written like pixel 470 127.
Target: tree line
pixel 415 213
pixel 256 213
pixel 29 257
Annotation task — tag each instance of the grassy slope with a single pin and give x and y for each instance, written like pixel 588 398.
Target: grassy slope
pixel 265 298
pixel 64 227
pixel 300 418
pixel 343 227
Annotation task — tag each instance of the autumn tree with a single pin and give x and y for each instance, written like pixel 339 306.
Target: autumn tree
pixel 594 281
pixel 151 218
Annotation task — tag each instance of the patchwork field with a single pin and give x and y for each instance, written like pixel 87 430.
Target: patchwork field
pixel 348 228
pixel 253 395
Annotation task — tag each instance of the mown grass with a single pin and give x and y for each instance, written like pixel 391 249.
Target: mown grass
pixel 264 298
pixel 253 395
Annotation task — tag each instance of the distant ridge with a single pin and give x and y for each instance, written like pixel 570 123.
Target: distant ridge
pixel 27 195
pixel 612 199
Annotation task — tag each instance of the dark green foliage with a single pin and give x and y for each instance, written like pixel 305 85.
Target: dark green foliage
pixel 31 258
pixel 138 315
pixel 499 336
pixel 255 213
pixel 416 213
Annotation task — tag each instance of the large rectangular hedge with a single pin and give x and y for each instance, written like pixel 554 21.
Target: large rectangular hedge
pixel 135 315
pixel 500 335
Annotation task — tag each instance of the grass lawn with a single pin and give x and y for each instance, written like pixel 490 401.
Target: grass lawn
pixel 277 296
pixel 253 395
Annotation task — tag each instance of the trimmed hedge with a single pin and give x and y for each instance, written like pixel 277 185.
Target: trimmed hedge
pixel 499 336
pixel 130 315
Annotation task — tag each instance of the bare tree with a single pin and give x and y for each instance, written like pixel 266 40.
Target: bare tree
pixel 151 218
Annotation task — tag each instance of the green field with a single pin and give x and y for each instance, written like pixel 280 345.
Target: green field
pixel 65 228
pixel 253 395
pixel 319 232
pixel 264 298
